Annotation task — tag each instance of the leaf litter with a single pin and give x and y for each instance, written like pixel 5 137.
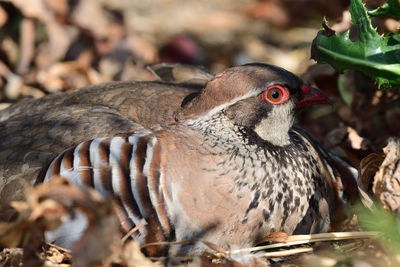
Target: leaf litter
pixel 70 50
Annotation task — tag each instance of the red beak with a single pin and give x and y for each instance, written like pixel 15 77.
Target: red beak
pixel 312 96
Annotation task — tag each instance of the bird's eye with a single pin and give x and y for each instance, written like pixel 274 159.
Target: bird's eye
pixel 276 94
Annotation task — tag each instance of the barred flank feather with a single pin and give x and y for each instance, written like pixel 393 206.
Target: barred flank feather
pixel 129 170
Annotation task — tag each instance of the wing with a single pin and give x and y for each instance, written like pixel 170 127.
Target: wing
pixel 35 131
pixel 32 132
pixel 29 142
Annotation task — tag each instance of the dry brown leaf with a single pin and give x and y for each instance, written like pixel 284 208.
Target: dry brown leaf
pixel 11 257
pixel 11 49
pixel 12 233
pixel 14 85
pixel 3 17
pixel 180 73
pixel 387 180
pixel 14 190
pixel 102 229
pixel 60 38
pixel 67 75
pixel 31 92
pixel 131 256
pixel 392 24
pixel 27 45
pixel 89 15
pixel 367 170
pixel 13 88
pixel 344 24
pixel 219 20
pixel 4 105
pixel 268 10
pixel 133 72
pixel 4 69
pixel 356 141
pixel 34 216
pixel 94 245
pixel 141 49
pixel 59 7
pixel 33 9
pixel 347 136
pixel 45 207
pixel 56 256
pixel 275 237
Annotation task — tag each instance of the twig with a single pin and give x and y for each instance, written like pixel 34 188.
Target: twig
pixel 304 239
pixel 59 248
pixel 137 227
pixel 289 241
pixel 285 253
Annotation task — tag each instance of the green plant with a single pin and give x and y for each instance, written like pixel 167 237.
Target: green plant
pixel 371 53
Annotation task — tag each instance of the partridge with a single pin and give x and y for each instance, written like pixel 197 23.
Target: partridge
pixel 224 164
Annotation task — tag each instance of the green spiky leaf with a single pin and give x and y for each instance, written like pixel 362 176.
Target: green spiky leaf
pixel 390 8
pixel 371 53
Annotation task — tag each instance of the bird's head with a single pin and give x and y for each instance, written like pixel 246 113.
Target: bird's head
pixel 260 98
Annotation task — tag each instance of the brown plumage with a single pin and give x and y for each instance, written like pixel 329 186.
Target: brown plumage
pixel 35 131
pixel 224 164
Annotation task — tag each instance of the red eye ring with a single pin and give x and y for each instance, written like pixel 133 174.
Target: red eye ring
pixel 276 94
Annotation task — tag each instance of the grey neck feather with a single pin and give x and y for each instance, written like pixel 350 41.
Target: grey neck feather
pixel 220 130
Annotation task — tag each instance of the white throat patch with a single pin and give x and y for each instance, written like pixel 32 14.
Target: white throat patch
pixel 275 128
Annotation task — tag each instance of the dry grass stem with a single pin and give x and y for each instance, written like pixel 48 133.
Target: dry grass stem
pixel 59 248
pixel 304 239
pixel 133 230
pixel 288 241
pixel 284 253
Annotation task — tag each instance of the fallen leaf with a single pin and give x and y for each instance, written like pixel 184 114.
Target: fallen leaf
pixel 386 185
pixel 132 256
pixel 3 17
pixel 180 73
pixel 89 15
pixel 356 141
pixel 67 75
pixel 366 173
pixel 60 38
pixel 11 257
pixel 59 7
pixel 275 237
pixel 56 255
pixel 102 231
pixel 27 45
pixel 4 105
pixel 45 208
pixel 272 11
pixel 33 9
